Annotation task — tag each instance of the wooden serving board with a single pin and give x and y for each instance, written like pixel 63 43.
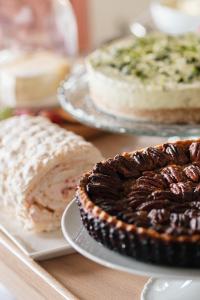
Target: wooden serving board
pixel 69 277
pixel 85 131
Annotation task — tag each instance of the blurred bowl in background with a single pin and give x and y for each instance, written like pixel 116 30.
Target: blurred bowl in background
pixel 176 17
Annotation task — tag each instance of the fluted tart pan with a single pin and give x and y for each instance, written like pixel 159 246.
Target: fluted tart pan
pixel 146 204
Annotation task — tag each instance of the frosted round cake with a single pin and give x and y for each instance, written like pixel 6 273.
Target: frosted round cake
pixel 155 78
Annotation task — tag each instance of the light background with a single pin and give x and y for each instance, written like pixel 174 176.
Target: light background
pixel 102 20
pixel 109 18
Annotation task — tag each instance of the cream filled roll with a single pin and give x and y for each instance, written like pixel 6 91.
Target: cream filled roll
pixel 40 165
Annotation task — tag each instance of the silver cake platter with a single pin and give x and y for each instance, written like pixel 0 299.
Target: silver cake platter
pixel 74 97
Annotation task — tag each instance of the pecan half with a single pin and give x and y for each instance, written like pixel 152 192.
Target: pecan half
pixel 105 179
pixel 102 191
pixel 195 204
pixel 151 182
pixel 183 189
pixel 135 203
pixel 162 195
pixel 195 151
pixel 153 204
pixel 137 195
pixel 179 219
pixel 105 168
pixel 195 223
pixel 158 157
pixel 125 167
pixel 159 216
pixel 190 212
pixel 176 153
pixel 173 174
pixel 192 172
pixel 143 161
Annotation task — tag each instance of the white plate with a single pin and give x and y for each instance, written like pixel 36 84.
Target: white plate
pixel 162 289
pixel 175 283
pixel 39 246
pixel 79 238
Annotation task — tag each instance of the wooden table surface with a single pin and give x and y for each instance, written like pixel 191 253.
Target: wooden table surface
pixel 72 276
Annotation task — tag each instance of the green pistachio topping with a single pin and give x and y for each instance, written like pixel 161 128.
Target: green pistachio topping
pixel 155 58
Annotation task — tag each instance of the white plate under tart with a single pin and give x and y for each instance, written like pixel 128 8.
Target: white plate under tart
pixel 78 237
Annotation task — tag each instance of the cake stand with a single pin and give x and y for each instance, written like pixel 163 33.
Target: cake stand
pixel 173 283
pixel 73 95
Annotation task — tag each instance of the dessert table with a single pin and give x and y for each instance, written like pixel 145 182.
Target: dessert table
pixel 72 276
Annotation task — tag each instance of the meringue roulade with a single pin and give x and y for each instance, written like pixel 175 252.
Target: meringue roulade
pixel 40 167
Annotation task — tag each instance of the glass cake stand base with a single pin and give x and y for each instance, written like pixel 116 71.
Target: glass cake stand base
pixel 173 283
pixel 74 97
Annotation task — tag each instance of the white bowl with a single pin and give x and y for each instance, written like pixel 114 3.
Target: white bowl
pixel 173 21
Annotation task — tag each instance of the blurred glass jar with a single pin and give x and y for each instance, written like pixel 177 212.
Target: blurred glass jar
pixel 37 40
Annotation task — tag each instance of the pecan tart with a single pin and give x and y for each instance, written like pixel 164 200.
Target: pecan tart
pixel 146 204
